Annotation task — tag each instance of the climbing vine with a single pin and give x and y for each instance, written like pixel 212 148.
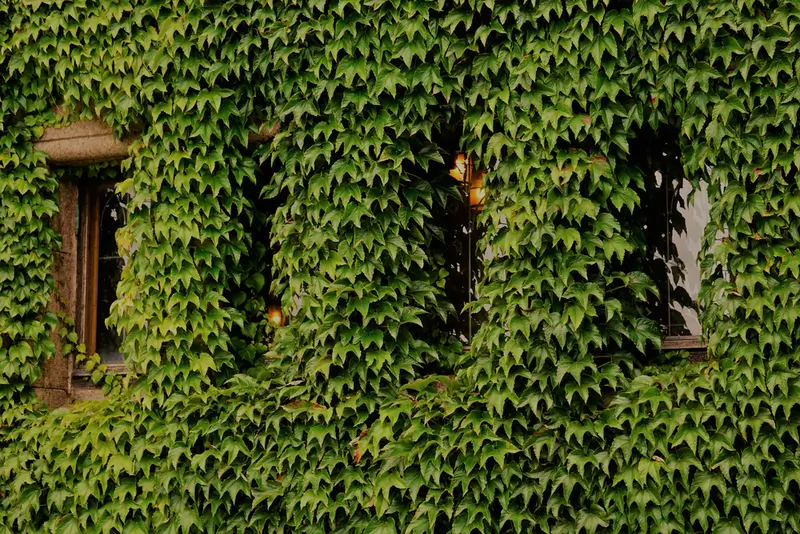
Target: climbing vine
pixel 364 414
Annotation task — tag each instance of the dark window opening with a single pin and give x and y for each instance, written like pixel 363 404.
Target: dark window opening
pixel 103 212
pixel 259 293
pixel 672 220
pixel 261 253
pixel 462 255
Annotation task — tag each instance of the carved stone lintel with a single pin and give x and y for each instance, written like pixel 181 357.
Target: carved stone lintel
pixel 82 143
pixel 92 141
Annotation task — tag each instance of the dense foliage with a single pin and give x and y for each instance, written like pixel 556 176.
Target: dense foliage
pixel 364 415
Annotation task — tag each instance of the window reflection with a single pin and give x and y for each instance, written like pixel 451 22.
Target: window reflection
pixel 673 221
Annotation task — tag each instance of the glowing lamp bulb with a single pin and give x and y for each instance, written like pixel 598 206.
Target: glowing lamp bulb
pixel 275 315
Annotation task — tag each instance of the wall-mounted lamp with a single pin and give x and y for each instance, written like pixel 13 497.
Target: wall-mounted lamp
pixel 275 315
pixel 464 172
pixel 476 191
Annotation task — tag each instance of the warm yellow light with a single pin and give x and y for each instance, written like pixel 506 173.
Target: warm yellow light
pixel 464 172
pixel 275 315
pixel 459 170
pixel 461 162
pixel 477 193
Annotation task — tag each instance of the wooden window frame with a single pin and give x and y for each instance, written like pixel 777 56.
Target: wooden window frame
pixel 88 270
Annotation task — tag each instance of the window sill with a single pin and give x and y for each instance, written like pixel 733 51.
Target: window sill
pixel 683 343
pixel 115 368
pixel 669 343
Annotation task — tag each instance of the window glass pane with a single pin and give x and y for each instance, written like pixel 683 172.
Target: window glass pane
pixel 113 216
pixel 673 221
pixel 687 224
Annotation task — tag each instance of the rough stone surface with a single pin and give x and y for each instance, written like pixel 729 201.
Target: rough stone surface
pixel 92 141
pixel 53 398
pixel 86 394
pixel 82 142
pixel 56 371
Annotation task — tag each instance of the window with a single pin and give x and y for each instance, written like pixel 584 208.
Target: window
pixel 464 263
pixel 673 219
pixel 102 212
pixel 87 267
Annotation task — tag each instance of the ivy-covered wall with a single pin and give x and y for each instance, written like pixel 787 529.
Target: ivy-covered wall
pixel 364 415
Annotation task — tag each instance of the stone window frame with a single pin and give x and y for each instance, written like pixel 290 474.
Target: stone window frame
pixel 81 143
